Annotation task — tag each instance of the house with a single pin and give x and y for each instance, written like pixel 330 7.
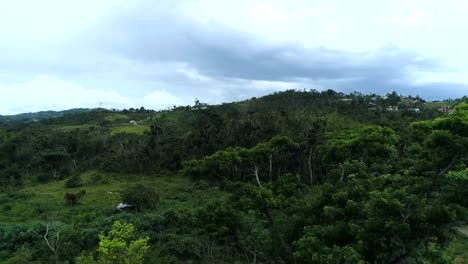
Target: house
pixel 444 109
pixel 414 109
pixel 392 108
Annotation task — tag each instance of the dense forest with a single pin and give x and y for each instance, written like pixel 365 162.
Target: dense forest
pixel 292 177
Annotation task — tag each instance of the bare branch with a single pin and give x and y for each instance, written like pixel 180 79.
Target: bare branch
pixel 47 241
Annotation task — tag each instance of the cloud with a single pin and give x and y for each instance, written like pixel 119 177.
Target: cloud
pixel 160 53
pixel 48 93
pixel 269 12
pixel 214 55
pixel 217 51
pixel 160 99
pixel 415 19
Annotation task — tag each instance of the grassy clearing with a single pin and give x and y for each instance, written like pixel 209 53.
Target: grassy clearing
pixel 136 129
pixel 73 128
pixel 45 202
pixel 116 117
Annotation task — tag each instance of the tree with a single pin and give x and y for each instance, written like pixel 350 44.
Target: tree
pixel 56 162
pixel 372 145
pixel 310 249
pixel 53 240
pixel 445 141
pixel 277 153
pixel 117 247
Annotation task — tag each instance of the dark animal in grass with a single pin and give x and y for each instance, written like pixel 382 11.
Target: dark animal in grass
pixel 73 199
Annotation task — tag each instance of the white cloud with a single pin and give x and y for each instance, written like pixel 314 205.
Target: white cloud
pixel 267 11
pixel 415 19
pixel 273 85
pixel 49 93
pixel 160 99
pixel 193 74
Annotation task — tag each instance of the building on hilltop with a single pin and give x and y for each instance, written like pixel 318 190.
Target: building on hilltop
pixel 444 109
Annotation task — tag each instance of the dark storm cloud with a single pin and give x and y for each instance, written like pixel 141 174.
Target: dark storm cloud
pixel 225 54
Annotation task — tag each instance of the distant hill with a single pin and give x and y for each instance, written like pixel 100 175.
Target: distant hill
pixel 38 116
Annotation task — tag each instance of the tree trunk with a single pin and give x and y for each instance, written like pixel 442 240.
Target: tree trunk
pixel 53 246
pixel 342 171
pixel 311 173
pixel 235 170
pixel 449 166
pixel 271 167
pixel 255 171
pixel 55 174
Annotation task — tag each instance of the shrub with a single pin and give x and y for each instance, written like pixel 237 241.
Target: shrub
pixel 73 182
pixel 141 197
pixel 7 208
pixel 73 199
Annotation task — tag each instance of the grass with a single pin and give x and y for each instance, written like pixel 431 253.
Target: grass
pixel 46 201
pixel 459 249
pixel 73 128
pixel 116 129
pixel 37 205
pixel 136 129
pixel 116 117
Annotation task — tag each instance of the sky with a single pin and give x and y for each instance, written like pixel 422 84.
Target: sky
pixel 57 54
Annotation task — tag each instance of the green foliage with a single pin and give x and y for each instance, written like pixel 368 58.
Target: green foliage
pixel 219 221
pixel 73 199
pixel 22 255
pixel 141 197
pixel 305 177
pixel 73 182
pixel 246 164
pixel 369 144
pixel 310 249
pixel 117 247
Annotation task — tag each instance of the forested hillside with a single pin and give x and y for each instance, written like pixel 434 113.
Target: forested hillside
pixel 292 177
pixel 12 120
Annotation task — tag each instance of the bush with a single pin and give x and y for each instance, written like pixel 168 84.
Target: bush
pixel 73 182
pixel 141 197
pixel 6 208
pixel 73 199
